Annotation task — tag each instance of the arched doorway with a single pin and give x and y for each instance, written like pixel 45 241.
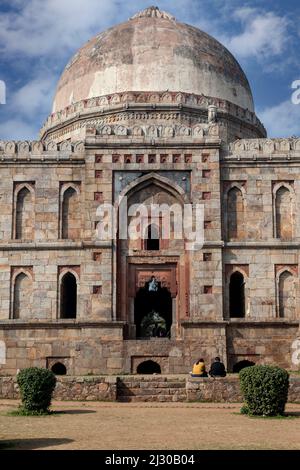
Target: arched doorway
pixel 148 367
pixel 241 365
pixel 59 369
pixel 237 295
pixel 152 238
pixel 68 296
pixel 153 310
pixel 149 251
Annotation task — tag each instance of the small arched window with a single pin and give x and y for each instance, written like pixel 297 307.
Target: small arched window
pixel 148 367
pixel 152 238
pixel 237 295
pixel 241 365
pixel 71 216
pixel 287 301
pixel 24 216
pixel 22 296
pixel 68 296
pixel 59 369
pixel 235 214
pixel 283 214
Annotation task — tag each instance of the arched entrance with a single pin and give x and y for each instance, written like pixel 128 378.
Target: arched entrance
pixel 59 369
pixel 241 365
pixel 148 367
pixel 153 310
pixel 68 296
pixel 237 295
pixel 153 250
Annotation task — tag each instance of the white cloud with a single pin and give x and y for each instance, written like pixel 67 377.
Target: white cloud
pixel 34 97
pixel 282 120
pixel 265 34
pixel 52 26
pixel 18 129
pixel 27 108
pixel 48 32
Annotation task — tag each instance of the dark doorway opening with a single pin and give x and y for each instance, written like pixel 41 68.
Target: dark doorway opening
pixel 59 369
pixel 148 367
pixel 153 312
pixel 241 365
pixel 68 296
pixel 237 296
pixel 152 238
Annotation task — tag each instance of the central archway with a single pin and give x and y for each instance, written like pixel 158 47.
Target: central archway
pixel 153 311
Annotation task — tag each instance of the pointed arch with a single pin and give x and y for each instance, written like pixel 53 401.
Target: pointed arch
pixel 286 298
pixel 24 213
pixel 160 181
pixel 235 212
pixel 22 295
pixel 283 209
pixel 172 198
pixel 70 212
pixel 237 295
pixel 68 283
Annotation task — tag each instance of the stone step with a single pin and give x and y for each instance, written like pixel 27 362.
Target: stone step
pixel 152 398
pixel 151 389
pixel 145 386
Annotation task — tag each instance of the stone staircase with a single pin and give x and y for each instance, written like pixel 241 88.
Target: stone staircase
pixel 151 388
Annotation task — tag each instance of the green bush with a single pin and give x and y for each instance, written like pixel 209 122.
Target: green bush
pixel 36 387
pixel 265 390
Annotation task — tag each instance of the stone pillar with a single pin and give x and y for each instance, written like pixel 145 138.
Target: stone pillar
pixel 174 327
pixel 131 324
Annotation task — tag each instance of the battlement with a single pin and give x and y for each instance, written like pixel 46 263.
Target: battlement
pixel 265 146
pixel 38 150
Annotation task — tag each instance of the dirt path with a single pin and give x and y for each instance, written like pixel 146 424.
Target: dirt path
pixel 98 425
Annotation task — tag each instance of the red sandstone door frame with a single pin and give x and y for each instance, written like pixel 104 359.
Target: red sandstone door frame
pixel 138 275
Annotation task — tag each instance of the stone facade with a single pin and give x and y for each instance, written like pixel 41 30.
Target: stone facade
pixel 69 297
pixel 154 388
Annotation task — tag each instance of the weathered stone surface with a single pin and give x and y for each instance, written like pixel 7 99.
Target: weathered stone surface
pixel 134 389
pixel 198 142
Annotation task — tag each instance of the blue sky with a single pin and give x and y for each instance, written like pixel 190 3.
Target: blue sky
pixel 38 37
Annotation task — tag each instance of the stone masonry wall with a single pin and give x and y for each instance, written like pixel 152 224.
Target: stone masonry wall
pixel 146 388
pixel 70 388
pixel 228 390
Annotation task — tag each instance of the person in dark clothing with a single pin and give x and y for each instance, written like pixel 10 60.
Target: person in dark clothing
pixel 217 369
pixel 156 330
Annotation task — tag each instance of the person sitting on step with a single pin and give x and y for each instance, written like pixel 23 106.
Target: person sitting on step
pixel 199 369
pixel 217 369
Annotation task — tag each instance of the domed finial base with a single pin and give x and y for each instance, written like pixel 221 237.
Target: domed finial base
pixel 153 12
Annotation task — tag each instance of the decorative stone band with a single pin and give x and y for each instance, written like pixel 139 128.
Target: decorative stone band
pixel 264 146
pixel 152 100
pixel 199 131
pixel 26 149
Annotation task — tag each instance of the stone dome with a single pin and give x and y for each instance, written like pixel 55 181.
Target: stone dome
pixel 153 52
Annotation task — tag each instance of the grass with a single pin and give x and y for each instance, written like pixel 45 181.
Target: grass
pixel 284 416
pixel 24 412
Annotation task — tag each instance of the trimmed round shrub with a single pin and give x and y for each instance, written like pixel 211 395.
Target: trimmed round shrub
pixel 36 387
pixel 265 390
